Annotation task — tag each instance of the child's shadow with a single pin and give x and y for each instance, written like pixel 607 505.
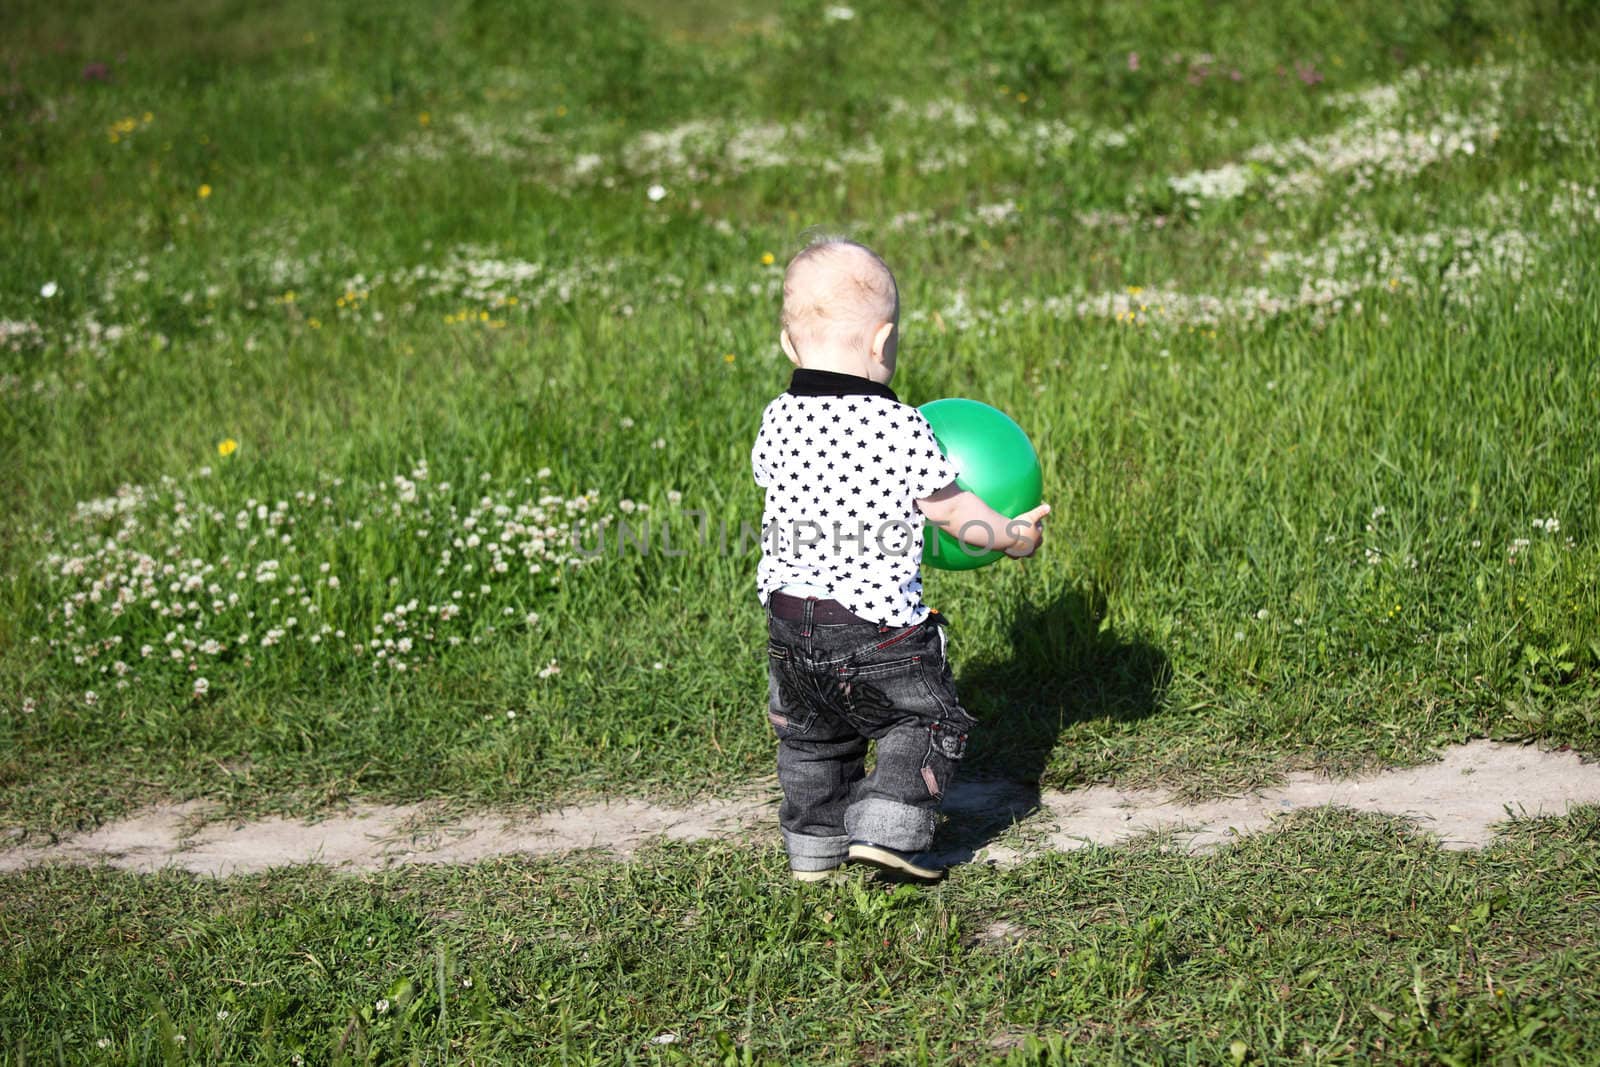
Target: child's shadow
pixel 1065 666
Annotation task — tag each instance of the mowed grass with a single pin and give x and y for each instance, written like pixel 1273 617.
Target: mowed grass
pixel 1336 939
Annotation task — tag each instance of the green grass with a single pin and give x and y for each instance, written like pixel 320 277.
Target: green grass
pixel 1337 939
pixel 1299 307
pixel 1293 427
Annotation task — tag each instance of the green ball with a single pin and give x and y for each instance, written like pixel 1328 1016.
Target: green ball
pixel 994 459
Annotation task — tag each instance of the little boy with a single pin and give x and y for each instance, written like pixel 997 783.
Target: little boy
pixel 854 654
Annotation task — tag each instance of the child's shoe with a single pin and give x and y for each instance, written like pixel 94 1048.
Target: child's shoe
pixel 916 866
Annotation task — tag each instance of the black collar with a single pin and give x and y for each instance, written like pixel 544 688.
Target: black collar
pixel 808 382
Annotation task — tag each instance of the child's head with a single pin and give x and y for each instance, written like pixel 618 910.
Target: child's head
pixel 841 308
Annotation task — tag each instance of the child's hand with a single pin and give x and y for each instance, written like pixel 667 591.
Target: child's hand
pixel 1028 531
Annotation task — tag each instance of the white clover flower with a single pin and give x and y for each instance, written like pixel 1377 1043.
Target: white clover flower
pixel 836 13
pixel 382 1006
pixel 658 666
pixel 511 714
pixel 49 289
pixel 532 618
pixel 91 698
pixel 656 193
pixel 104 1042
pixel 549 669
pixel 543 473
pixel 627 424
pixel 222 1013
pixel 660 442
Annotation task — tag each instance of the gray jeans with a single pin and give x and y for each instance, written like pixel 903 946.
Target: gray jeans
pixel 832 688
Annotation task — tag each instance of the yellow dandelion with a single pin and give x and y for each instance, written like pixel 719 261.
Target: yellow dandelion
pixel 204 191
pixel 288 296
pixel 728 358
pixel 561 111
pixel 424 119
pixel 315 324
pixel 1022 98
pixel 768 259
pixel 227 447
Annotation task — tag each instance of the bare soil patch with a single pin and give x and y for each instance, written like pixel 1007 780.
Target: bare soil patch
pixel 1461 799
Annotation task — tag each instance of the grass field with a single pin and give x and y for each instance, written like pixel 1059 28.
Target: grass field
pixel 323 330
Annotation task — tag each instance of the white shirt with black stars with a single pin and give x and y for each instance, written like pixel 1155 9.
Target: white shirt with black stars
pixel 844 462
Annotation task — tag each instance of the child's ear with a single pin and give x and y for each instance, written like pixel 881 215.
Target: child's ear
pixel 880 342
pixel 788 348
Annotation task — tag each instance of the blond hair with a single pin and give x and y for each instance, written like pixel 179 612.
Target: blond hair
pixel 837 293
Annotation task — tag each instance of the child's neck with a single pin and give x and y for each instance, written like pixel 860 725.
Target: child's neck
pixel 839 362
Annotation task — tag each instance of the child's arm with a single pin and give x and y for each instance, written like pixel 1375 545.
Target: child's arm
pixel 967 518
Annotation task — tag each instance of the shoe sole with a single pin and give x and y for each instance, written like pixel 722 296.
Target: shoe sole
pixel 814 876
pixel 893 862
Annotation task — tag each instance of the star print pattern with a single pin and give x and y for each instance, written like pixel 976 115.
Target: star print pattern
pixel 843 475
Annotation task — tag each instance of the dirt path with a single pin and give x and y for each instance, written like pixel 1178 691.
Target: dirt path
pixel 1460 798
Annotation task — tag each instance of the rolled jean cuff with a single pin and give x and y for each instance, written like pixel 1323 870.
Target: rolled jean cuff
pixel 811 853
pixel 891 824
